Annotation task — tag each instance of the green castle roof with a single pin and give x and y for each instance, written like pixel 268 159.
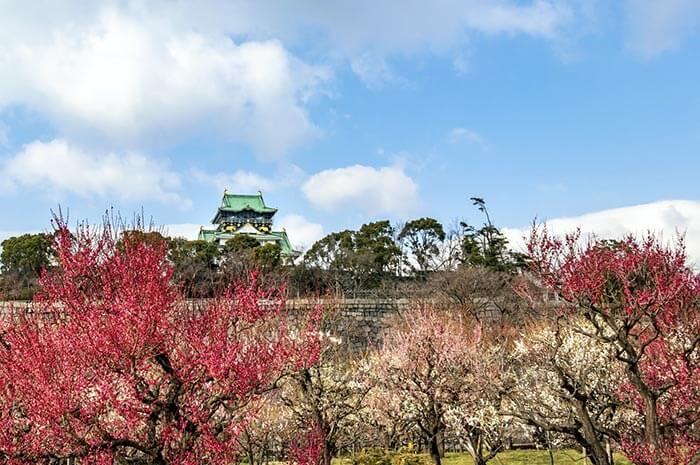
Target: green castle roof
pixel 278 237
pixel 243 202
pixel 240 202
pixel 207 235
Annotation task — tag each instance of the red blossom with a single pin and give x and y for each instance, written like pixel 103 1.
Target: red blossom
pixel 308 450
pixel 114 363
pixel 644 299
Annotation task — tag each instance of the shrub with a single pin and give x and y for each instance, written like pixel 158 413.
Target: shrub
pixel 371 457
pixel 408 458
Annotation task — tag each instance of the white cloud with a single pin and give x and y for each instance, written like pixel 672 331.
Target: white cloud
pixel 369 31
pixel 149 69
pixel 58 167
pixel 186 230
pixel 540 18
pixel 137 72
pixel 667 218
pixel 243 181
pixel 404 26
pixel 302 233
pixel 372 69
pixel 384 190
pixel 660 26
pixel 458 135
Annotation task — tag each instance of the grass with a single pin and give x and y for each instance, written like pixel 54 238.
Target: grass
pixel 529 457
pixel 522 457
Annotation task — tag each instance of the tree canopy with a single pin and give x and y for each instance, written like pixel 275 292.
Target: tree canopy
pixel 22 259
pixel 423 238
pixel 487 245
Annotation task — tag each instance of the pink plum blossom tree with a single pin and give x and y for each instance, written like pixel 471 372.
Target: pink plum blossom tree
pixel 117 368
pixel 642 299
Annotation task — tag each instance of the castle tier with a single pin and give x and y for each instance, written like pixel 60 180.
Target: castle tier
pixel 247 214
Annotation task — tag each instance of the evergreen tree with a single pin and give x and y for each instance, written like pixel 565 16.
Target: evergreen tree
pixel 487 246
pixel 423 239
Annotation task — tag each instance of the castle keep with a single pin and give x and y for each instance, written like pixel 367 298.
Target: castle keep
pixel 247 214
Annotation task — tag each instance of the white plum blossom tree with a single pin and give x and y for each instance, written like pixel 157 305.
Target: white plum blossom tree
pixel 564 383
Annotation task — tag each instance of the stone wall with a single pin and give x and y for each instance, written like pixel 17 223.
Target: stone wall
pixel 361 321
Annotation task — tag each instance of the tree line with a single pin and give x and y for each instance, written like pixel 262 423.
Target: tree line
pixel 378 255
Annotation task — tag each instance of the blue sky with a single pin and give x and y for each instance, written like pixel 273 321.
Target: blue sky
pixel 346 112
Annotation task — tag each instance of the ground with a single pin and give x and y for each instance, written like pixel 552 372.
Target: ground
pixel 529 457
pixel 524 457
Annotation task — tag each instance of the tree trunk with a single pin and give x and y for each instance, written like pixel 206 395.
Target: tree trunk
pixel 597 456
pixel 329 448
pixel 434 449
pixel 652 433
pixel 475 448
pixel 327 456
pixel 651 423
pixel 594 447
